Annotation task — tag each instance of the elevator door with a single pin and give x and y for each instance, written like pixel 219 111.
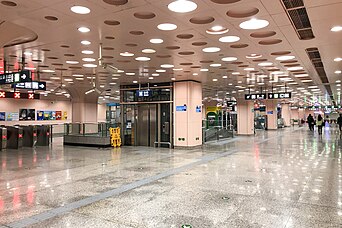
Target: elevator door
pixel 146 125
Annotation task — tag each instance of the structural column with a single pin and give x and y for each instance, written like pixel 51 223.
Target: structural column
pixel 187 114
pixel 84 112
pixel 245 117
pixel 272 118
pixel 286 114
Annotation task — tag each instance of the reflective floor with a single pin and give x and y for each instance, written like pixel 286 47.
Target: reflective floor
pixel 284 178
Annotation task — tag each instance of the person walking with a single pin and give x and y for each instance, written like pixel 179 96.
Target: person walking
pixel 311 122
pixel 339 122
pixel 320 124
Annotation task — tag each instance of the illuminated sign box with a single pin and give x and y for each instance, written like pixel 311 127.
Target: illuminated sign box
pixel 18 95
pixel 260 96
pixel 279 95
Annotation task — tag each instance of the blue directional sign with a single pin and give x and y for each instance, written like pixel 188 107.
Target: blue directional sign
pixel 15 77
pixel 34 85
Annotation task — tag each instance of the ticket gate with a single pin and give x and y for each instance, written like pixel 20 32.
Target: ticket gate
pixel 14 137
pixel 29 136
pixel 3 138
pixel 43 135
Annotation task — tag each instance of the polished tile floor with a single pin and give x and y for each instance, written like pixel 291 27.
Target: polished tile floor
pixel 285 178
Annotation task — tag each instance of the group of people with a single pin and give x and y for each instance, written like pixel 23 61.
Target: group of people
pixel 320 123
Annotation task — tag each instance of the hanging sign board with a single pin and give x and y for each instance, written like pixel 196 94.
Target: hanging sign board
pixel 279 95
pixel 15 77
pixel 30 85
pixel 260 96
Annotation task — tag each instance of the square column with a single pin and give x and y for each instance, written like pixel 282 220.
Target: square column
pixel 187 114
pixel 286 114
pixel 245 117
pixel 272 117
pixel 84 112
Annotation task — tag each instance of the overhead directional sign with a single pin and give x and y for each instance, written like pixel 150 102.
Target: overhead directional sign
pixel 30 85
pixel 144 93
pixel 260 96
pixel 15 77
pixel 279 95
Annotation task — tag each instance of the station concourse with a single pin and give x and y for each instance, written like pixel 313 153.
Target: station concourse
pixel 170 113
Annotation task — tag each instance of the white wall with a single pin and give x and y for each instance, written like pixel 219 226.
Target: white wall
pixel 12 105
pixel 101 112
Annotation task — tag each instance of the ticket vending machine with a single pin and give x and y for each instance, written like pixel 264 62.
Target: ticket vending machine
pixel 14 137
pixel 3 138
pixel 29 136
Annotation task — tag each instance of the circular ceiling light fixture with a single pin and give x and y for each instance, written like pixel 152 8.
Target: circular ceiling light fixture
pixel 156 41
pixel 28 53
pixel 336 29
pixel 229 39
pixel 229 59
pixel 80 9
pixel 253 56
pixel 285 57
pixel 83 29
pixel 85 42
pixel 130 74
pixel 253 24
pixel 143 59
pixel 295 68
pixel 182 6
pixel 161 71
pixel 155 75
pixel 72 62
pixel 88 59
pixel 167 66
pixel 217 30
pixel 338 59
pixel 87 52
pixel 338 72
pixel 167 27
pixel 148 51
pixel 177 69
pixel 204 70
pixel 211 49
pixel 216 65
pixel 126 54
pixel 89 65
pixel 265 64
pixel 249 69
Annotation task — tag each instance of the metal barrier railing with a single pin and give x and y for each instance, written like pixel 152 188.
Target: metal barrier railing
pixel 216 133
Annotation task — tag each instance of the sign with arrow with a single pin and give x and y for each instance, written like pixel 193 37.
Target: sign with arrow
pixel 34 85
pixel 260 96
pixel 279 95
pixel 15 77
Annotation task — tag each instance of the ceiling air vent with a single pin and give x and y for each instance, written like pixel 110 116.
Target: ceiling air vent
pixel 299 18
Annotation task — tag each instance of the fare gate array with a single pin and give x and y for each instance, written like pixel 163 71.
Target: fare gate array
pixel 16 137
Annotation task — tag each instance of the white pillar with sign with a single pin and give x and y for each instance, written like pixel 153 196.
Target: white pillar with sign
pixel 187 103
pixel 272 117
pixel 245 117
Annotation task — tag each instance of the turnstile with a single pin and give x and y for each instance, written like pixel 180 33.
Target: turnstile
pixel 3 138
pixel 14 137
pixel 43 135
pixel 29 136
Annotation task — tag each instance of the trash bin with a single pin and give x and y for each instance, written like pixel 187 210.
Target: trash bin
pixel 43 135
pixel 14 137
pixel 29 136
pixel 3 138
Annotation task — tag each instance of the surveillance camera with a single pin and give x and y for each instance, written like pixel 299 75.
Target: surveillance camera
pixel 110 68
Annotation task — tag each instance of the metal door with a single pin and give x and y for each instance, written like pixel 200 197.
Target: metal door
pixel 142 137
pixel 165 124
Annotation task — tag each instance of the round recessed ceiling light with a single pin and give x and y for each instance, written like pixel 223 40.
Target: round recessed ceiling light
pixel 214 80
pixel 148 51
pixel 161 71
pixel 89 59
pixel 167 66
pixel 156 41
pixel 216 65
pixel 72 62
pixel 167 27
pixel 338 72
pixel 211 49
pixel 89 65
pixel 126 54
pixel 150 78
pixel 87 52
pixel 135 82
pixel 254 24
pixel 249 69
pixel 285 57
pixel 130 74
pixel 83 29
pixel 336 29
pixel 85 42
pixel 143 59
pixel 265 64
pixel 155 75
pixel 225 76
pixel 80 9
pixel 182 6
pixel 177 69
pixel 229 39
pixel 229 59
pixel 28 53
pixel 204 70
pixel 48 71
pixel 295 68
pixel 217 30
pixel 253 56
pixel 338 59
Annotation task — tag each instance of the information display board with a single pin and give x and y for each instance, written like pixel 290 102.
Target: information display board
pixel 15 77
